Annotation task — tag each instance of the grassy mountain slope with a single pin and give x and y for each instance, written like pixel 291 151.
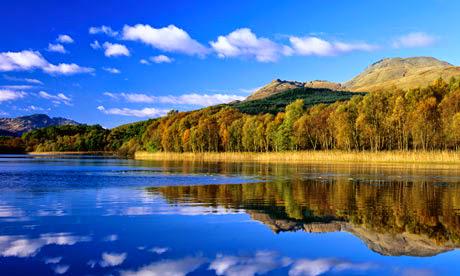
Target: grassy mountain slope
pixel 403 73
pixel 389 73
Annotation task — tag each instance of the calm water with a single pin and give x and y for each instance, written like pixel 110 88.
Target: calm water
pixel 95 216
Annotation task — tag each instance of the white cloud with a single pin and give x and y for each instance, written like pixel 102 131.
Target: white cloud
pixel 29 60
pixel 63 38
pixel 19 246
pixel 314 46
pixel 57 99
pixel 10 95
pixel 161 59
pixel 58 48
pixel 159 250
pixel 261 263
pixel 103 30
pixel 305 267
pixel 95 45
pixel 144 61
pixel 115 49
pixel 179 267
pixel 112 70
pixel 145 112
pixel 413 40
pixel 112 259
pixel 111 238
pixel 186 99
pixel 61 269
pixel 17 87
pixel 67 69
pixel 244 43
pixel 54 260
pixel 11 78
pixel 21 61
pixel 33 108
pixel 169 39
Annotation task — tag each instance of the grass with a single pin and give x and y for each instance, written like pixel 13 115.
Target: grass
pixel 332 156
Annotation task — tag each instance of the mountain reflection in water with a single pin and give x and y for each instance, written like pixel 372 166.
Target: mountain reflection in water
pixel 394 217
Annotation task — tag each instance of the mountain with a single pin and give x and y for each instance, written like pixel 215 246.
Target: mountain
pixel 403 73
pixel 18 126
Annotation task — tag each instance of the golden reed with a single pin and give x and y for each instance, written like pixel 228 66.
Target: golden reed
pixel 331 156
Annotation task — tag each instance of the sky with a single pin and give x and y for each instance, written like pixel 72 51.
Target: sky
pixel 115 62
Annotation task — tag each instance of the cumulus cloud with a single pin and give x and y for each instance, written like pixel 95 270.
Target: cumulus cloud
pixel 29 60
pixel 103 30
pixel 66 69
pixel 261 263
pixel 63 38
pixel 307 267
pixel 57 99
pixel 19 246
pixel 186 99
pixel 148 112
pixel 168 267
pixel 169 39
pixel 314 46
pixel 58 48
pixel 112 259
pixel 115 49
pixel 112 70
pixel 10 95
pixel 161 59
pixel 244 43
pixel 414 40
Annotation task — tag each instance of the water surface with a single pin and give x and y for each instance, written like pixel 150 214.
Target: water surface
pixel 95 216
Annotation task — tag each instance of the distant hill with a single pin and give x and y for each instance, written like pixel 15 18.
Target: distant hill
pixel 403 73
pixel 18 126
pixel 277 102
pixel 278 86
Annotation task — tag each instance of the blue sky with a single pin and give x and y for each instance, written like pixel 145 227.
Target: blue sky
pixel 113 62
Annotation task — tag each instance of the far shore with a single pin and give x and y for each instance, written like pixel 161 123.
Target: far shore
pixel 70 153
pixel 298 157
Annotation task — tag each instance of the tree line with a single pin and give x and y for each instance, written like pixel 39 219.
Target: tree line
pixel 421 119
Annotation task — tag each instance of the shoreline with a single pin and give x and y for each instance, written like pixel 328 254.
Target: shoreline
pixel 308 157
pixel 69 153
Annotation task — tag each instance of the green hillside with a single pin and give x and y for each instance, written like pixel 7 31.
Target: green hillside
pixel 278 102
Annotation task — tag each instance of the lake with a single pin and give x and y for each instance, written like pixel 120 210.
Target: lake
pixel 92 215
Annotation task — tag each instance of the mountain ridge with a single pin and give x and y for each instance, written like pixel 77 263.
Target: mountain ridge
pixel 19 125
pixel 402 73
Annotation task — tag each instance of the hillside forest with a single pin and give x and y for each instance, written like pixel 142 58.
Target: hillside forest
pixel 393 119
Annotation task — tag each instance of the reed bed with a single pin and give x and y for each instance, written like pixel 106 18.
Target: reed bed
pixel 331 156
